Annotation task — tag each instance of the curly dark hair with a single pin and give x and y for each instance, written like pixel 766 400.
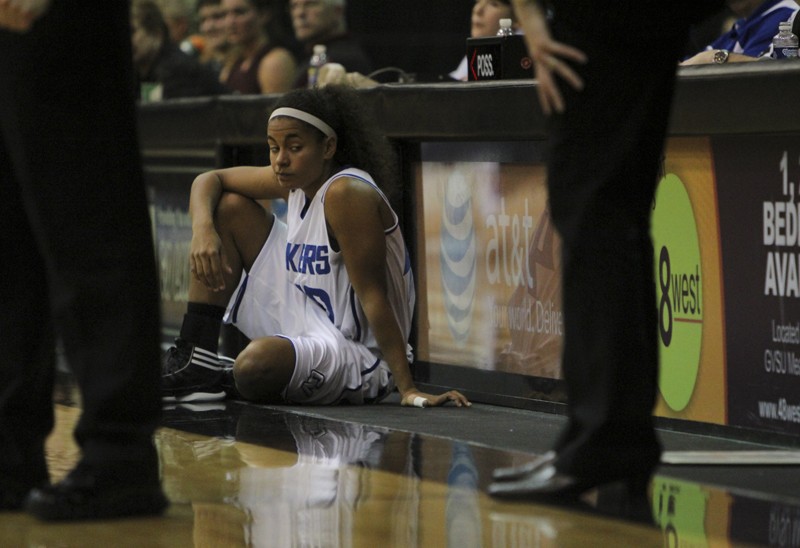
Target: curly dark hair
pixel 359 143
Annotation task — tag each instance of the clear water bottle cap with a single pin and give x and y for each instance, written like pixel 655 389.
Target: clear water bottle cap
pixel 319 48
pixel 785 25
pixel 505 23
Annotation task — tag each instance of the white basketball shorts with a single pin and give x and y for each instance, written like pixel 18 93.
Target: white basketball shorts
pixel 329 368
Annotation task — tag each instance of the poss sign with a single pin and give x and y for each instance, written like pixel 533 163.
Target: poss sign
pixel 498 58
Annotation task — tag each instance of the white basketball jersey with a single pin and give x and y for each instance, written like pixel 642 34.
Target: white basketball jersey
pixel 313 267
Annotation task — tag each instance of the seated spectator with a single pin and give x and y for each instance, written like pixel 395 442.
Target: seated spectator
pixel 257 63
pixel 486 15
pixel 751 35
pixel 702 33
pixel 485 22
pixel 163 70
pixel 279 27
pixel 179 16
pixel 211 24
pixel 324 22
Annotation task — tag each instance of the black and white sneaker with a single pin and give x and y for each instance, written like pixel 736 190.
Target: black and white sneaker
pixel 191 374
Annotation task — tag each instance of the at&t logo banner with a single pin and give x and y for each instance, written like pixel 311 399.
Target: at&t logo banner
pixel 458 255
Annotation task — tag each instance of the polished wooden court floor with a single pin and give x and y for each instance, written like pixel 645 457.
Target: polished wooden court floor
pixel 246 475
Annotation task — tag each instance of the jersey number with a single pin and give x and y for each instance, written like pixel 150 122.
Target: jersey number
pixel 320 297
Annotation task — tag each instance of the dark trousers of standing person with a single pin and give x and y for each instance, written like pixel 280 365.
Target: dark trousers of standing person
pixel 76 252
pixel 605 154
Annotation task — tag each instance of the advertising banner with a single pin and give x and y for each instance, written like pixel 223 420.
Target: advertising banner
pixel 488 267
pixel 172 234
pixel 765 523
pixel 690 514
pixel 488 262
pixel 758 193
pixel 685 234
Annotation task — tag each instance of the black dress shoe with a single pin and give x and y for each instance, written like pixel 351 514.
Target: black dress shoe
pixel 11 499
pixel 518 472
pixel 627 501
pixel 13 493
pixel 542 483
pixel 546 483
pixel 17 481
pixel 96 492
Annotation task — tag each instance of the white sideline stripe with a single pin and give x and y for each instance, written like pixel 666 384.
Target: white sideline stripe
pixel 760 457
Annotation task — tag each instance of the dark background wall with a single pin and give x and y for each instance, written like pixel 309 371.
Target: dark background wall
pixel 426 37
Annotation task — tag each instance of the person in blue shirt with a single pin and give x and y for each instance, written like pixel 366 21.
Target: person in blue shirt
pixel 750 37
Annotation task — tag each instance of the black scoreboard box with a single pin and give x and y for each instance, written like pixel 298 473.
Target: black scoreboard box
pixel 498 58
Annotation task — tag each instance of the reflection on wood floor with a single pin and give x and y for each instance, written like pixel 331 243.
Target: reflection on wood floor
pixel 247 476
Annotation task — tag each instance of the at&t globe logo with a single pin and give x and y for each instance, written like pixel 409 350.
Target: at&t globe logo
pixel 679 291
pixel 458 255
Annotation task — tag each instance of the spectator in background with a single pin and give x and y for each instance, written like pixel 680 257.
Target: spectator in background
pixel 163 70
pixel 280 28
pixel 257 63
pixel 486 15
pixel 324 22
pixel 708 30
pixel 179 16
pixel 750 38
pixel 211 24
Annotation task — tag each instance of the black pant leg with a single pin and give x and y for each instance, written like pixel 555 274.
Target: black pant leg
pixel 82 184
pixel 27 356
pixel 605 155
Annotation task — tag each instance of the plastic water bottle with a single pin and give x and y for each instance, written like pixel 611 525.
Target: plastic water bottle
pixel 505 28
pixel 318 58
pixel 785 44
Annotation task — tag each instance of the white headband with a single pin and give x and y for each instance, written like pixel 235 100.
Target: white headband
pixel 305 117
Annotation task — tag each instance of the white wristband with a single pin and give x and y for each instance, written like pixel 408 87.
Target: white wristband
pixel 419 401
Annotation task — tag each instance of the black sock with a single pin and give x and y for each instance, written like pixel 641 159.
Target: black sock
pixel 201 325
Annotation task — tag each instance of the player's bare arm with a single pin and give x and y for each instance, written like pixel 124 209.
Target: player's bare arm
pixel 358 217
pixel 206 260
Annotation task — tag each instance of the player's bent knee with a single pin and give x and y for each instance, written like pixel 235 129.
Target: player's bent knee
pixel 261 370
pixel 231 205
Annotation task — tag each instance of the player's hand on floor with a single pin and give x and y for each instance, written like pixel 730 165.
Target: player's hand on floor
pixel 421 399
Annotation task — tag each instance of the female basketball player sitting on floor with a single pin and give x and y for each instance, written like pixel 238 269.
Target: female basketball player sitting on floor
pixel 328 297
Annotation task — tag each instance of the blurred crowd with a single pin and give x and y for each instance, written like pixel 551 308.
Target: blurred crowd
pixel 189 48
